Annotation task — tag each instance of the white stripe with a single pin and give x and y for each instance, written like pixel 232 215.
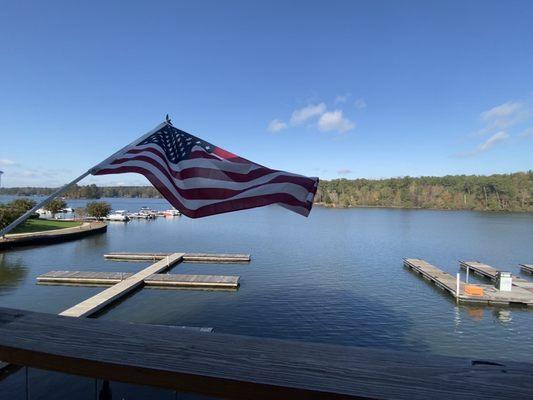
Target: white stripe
pixel 297 191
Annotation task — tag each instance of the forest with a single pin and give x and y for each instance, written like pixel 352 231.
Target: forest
pixel 500 192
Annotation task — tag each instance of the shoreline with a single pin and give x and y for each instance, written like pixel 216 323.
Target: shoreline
pixel 51 236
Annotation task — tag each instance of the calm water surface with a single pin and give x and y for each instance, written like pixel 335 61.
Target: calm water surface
pixel 335 277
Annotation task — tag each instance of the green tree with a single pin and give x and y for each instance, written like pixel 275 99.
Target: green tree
pixel 22 204
pixel 55 206
pixel 14 209
pixel 98 209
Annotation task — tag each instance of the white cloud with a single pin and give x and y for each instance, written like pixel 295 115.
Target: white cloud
pixel 4 162
pixel 334 121
pixel 342 98
pixel 488 144
pixel 503 116
pixel 303 114
pixel 501 111
pixel 492 141
pixel 344 171
pixel 276 125
pixel 360 104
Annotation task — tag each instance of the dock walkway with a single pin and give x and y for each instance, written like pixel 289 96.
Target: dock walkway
pixel 155 280
pixel 518 296
pixel 100 300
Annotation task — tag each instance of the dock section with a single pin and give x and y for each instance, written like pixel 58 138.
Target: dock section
pixel 102 299
pixel 527 268
pixel 489 272
pixel 155 280
pixel 187 257
pixel 518 296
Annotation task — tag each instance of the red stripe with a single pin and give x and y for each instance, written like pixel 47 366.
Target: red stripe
pixel 226 155
pixel 219 207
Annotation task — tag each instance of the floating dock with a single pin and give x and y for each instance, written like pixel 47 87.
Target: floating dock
pixel 155 280
pixel 447 282
pixel 187 257
pixel 102 299
pixel 489 272
pixel 527 268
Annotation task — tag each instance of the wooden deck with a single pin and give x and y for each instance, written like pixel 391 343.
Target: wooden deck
pixel 155 280
pixel 102 299
pixel 187 257
pixel 518 296
pixel 242 367
pixel 527 268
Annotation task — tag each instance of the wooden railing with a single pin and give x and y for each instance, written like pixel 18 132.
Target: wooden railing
pixel 241 367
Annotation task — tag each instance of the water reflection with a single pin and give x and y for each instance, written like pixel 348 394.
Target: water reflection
pixel 503 316
pixel 12 273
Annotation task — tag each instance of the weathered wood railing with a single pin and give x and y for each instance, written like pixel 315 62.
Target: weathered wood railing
pixel 241 367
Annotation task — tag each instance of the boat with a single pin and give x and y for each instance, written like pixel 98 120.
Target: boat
pixel 171 213
pixel 139 216
pixel 148 212
pixel 119 215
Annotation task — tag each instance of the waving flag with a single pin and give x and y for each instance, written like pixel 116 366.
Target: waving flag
pixel 201 179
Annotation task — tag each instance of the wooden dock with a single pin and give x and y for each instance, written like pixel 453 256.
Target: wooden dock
pixel 518 296
pixel 187 257
pixel 243 367
pixel 527 268
pixel 102 299
pixel 489 272
pixel 155 280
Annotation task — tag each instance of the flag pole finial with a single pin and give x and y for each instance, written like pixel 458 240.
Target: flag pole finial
pixel 167 119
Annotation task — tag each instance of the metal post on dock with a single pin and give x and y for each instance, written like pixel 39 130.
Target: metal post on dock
pixel 467 273
pixel 457 286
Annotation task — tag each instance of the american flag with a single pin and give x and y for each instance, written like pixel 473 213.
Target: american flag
pixel 201 179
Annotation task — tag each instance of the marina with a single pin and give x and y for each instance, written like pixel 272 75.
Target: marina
pixel 521 293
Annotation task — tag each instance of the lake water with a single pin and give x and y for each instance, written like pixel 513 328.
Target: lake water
pixel 335 277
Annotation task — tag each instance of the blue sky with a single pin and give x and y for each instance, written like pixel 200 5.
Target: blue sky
pixel 331 89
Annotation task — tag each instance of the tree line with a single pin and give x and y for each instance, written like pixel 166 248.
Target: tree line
pixel 87 192
pixel 501 192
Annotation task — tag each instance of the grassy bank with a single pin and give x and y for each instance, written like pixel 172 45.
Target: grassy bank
pixel 40 225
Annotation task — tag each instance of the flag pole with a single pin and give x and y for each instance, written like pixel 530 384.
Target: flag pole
pixel 64 188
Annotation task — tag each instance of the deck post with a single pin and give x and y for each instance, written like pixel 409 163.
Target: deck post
pixel 457 287
pixel 467 273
